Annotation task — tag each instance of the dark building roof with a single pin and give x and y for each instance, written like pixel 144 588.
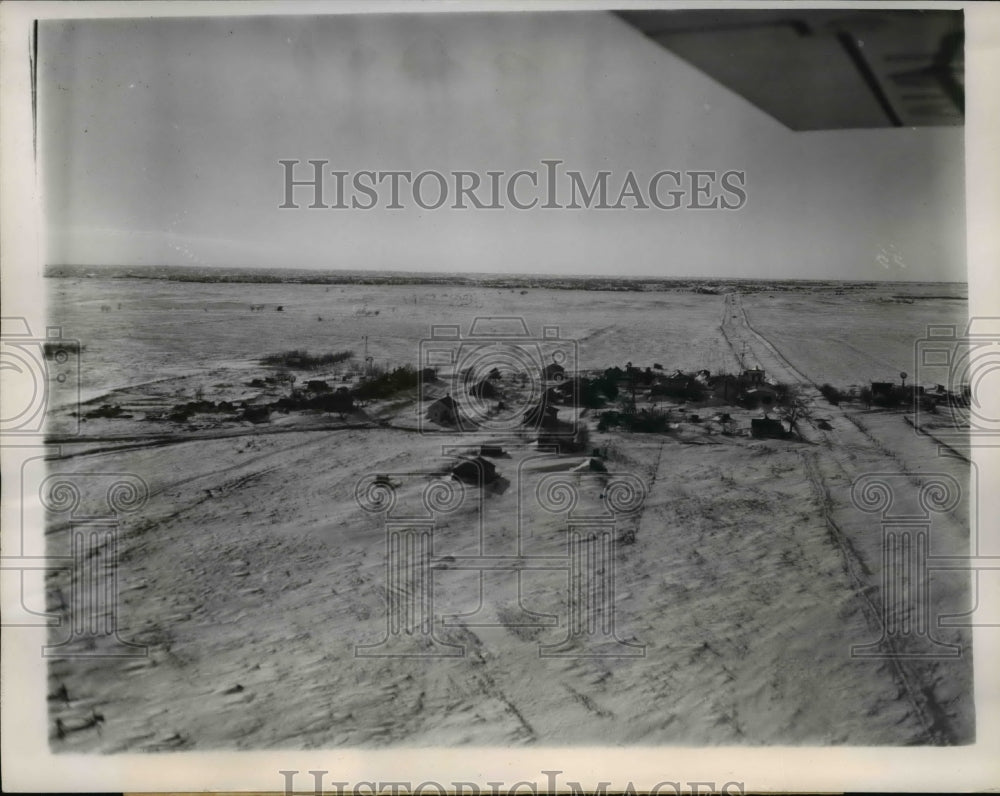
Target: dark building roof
pixel 476 470
pixel 445 409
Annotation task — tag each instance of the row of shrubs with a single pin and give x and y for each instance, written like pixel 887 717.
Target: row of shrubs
pixel 897 396
pixel 183 412
pixel 645 421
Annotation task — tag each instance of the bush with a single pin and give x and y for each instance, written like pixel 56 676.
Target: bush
pixel 644 422
pixel 183 412
pixel 832 394
pixel 107 410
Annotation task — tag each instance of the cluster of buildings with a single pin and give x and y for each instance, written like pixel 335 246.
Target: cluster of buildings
pixel 559 389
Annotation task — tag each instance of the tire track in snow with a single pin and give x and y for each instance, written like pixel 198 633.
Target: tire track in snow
pixel 920 696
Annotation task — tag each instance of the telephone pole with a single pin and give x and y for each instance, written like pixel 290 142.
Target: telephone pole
pixel 368 359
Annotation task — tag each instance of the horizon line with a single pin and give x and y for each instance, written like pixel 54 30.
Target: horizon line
pixel 279 270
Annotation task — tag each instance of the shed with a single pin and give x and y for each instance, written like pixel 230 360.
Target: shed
pixel 476 470
pixel 766 428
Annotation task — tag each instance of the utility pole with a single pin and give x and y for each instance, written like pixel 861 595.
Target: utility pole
pixel 369 361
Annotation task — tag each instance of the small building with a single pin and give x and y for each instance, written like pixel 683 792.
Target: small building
pixel 553 372
pixel 443 411
pixel 476 470
pixel 767 428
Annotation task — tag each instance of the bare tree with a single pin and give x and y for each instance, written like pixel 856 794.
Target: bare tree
pixel 793 406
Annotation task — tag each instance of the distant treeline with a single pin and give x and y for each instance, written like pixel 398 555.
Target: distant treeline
pixel 710 285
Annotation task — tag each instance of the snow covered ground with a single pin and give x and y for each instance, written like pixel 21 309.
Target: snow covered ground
pixel 260 585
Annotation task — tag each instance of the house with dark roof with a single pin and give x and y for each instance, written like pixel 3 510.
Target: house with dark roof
pixel 443 411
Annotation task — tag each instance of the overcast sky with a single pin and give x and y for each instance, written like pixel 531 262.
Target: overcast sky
pixel 160 143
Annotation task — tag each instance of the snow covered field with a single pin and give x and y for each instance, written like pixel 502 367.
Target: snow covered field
pixel 258 582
